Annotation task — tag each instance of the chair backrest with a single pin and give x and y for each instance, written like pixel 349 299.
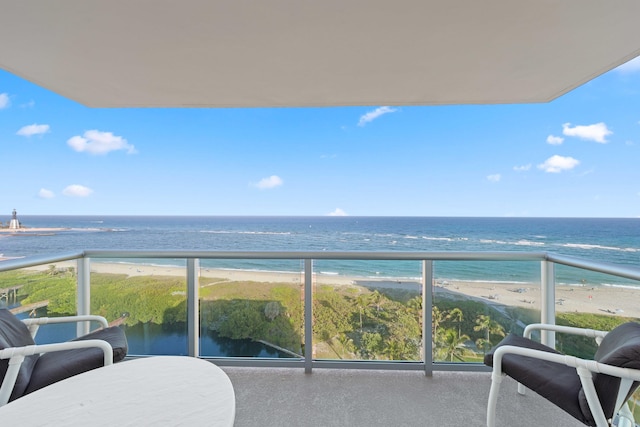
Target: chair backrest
pixel 14 333
pixel 621 348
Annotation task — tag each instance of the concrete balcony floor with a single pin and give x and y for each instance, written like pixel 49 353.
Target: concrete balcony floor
pixel 331 397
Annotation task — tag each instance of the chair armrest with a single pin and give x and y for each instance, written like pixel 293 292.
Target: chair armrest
pixel 16 356
pixel 34 323
pixel 28 350
pixel 576 362
pixel 500 352
pixel 591 333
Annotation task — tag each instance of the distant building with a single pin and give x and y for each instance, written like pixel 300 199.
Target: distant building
pixel 14 224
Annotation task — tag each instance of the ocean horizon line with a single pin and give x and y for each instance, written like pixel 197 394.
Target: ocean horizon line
pixel 316 216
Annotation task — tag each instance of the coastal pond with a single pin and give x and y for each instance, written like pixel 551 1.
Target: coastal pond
pixel 153 339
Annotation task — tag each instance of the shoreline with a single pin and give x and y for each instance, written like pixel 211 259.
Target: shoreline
pixel 32 230
pixel 594 299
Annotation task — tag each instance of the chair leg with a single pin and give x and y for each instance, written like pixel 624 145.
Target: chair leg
pixel 625 417
pixel 586 378
pixel 10 377
pixel 496 379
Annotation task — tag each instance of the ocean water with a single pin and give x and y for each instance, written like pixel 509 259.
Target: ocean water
pixel 602 239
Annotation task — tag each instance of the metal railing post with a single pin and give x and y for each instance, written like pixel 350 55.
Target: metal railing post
pixel 308 315
pixel 427 315
pixel 548 298
pixel 193 307
pixel 83 293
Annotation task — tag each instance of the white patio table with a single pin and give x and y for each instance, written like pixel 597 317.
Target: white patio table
pixel 160 390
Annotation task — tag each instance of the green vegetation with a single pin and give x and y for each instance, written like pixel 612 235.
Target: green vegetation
pixel 141 299
pixel 463 330
pixel 582 346
pixel 349 322
pixel 58 286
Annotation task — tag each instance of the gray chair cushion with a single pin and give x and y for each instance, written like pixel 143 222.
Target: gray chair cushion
pixel 620 347
pixel 557 383
pixel 114 336
pixel 56 366
pixel 14 333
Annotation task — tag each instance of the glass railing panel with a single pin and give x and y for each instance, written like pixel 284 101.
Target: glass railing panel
pixel 47 290
pixel 476 303
pixel 367 310
pixel 251 308
pixel 146 297
pixel 587 299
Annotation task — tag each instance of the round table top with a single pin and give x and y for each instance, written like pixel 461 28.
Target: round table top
pixel 160 390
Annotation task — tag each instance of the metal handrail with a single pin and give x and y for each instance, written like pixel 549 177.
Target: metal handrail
pixel 332 255
pixel 17 263
pixel 629 272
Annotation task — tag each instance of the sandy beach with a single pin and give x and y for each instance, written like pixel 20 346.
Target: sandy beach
pixel 585 299
pixel 588 299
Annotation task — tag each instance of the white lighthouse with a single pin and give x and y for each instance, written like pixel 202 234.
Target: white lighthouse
pixel 14 224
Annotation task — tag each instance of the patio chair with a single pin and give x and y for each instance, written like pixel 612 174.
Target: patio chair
pixel 593 391
pixel 26 367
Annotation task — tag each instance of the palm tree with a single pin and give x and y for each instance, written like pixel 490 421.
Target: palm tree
pixel 456 316
pixel 437 317
pixel 484 323
pixel 453 346
pixel 377 300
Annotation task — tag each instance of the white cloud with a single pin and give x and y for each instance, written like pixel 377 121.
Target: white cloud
pixel 557 164
pixel 372 115
pixel 597 132
pixel 522 168
pixel 77 190
pixel 494 178
pixel 271 182
pixel 4 100
pixel 34 129
pixel 45 194
pixel 338 212
pixel 630 67
pixel 96 142
pixel 555 140
pixel 29 104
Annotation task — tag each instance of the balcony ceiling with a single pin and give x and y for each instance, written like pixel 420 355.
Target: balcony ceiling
pixel 242 53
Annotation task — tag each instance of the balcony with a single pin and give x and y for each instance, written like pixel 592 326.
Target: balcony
pixel 334 372
pixel 354 397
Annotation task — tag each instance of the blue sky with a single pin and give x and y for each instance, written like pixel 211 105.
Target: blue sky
pixel 578 156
